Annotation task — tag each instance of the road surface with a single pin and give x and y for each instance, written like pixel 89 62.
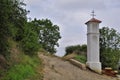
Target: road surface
pixel 58 69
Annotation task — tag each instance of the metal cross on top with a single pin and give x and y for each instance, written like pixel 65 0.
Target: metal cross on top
pixel 93 14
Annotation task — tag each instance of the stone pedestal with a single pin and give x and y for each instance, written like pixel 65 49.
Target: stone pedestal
pixel 95 66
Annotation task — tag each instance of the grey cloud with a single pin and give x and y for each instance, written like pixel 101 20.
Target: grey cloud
pixel 112 3
pixel 80 4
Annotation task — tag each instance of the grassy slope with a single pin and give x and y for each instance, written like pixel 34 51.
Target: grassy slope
pixel 22 66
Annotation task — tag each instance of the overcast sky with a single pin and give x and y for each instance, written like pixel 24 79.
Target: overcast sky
pixel 70 16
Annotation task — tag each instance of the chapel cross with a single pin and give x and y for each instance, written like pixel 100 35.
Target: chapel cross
pixel 93 14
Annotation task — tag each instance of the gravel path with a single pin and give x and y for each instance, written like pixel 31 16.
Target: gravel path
pixel 57 69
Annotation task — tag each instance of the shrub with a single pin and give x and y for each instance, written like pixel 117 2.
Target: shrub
pixel 110 58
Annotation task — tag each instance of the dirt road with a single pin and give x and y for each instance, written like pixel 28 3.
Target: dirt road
pixel 57 69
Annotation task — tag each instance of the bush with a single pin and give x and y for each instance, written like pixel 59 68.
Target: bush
pixel 110 58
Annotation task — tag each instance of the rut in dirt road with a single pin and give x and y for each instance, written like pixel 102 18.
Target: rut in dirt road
pixel 57 69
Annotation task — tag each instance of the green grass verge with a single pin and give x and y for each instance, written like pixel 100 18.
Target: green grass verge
pixel 81 58
pixel 26 69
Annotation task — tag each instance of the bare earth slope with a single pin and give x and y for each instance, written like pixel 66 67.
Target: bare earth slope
pixel 57 69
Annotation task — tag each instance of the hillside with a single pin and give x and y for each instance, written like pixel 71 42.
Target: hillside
pixel 58 69
pixel 19 66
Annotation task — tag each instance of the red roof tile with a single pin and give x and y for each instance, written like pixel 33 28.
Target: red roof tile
pixel 93 20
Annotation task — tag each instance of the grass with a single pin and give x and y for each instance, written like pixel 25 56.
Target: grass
pixel 26 69
pixel 21 66
pixel 19 72
pixel 81 58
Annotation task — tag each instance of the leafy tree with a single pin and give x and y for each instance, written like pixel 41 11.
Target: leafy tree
pixel 48 34
pixel 109 38
pixel 30 39
pixel 109 47
pixel 12 18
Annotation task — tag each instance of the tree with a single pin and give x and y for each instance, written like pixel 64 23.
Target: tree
pixel 12 18
pixel 30 39
pixel 48 34
pixel 109 47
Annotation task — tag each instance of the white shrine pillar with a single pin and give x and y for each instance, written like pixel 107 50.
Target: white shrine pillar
pixel 93 57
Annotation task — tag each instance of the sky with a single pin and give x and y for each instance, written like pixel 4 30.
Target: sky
pixel 71 15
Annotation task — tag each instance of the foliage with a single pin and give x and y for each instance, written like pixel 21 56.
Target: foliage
pixel 4 30
pixel 25 69
pixel 109 47
pixel 12 21
pixel 19 72
pixel 29 35
pixel 76 49
pixel 110 58
pixel 14 26
pixel 81 58
pixel 109 38
pixel 69 49
pixel 30 39
pixel 48 34
pixel 84 48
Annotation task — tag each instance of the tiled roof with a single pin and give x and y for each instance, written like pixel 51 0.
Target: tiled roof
pixel 93 20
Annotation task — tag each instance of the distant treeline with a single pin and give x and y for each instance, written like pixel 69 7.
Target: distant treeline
pixel 78 49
